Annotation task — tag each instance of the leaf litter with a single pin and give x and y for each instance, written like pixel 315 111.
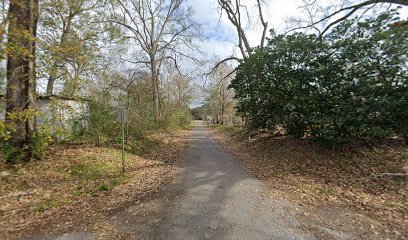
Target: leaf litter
pixel 339 190
pixel 76 187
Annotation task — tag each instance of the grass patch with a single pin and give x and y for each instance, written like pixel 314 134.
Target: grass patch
pixel 100 171
pixel 77 193
pixel 87 171
pixel 105 187
pixel 229 129
pixel 104 175
pixel 51 203
pixel 328 191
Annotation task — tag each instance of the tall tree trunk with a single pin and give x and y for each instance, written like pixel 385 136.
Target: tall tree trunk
pixel 52 78
pixel 23 16
pixel 53 75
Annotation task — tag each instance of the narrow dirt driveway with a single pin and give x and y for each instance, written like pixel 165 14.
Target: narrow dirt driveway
pixel 216 197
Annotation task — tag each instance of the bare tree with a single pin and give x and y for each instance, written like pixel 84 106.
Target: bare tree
pixel 237 14
pixel 342 8
pixel 219 101
pixel 160 29
pixel 179 90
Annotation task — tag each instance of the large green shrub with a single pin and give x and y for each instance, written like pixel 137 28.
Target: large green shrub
pixel 349 85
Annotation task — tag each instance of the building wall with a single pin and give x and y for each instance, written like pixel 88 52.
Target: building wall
pixel 65 112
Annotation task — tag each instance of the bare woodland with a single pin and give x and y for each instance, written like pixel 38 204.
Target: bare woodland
pixel 330 79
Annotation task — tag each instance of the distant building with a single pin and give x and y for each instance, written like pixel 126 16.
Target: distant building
pixel 61 114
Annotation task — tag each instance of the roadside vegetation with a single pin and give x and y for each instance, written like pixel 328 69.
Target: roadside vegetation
pixel 76 182
pixel 71 67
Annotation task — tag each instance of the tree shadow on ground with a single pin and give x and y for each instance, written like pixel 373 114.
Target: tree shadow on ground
pixel 214 197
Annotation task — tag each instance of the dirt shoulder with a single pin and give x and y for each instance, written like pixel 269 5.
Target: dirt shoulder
pixel 77 188
pixel 343 191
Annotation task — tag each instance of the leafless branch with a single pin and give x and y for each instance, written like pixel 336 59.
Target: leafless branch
pixel 215 68
pixel 350 11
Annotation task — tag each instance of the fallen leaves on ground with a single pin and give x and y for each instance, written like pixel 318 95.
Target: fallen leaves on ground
pixel 317 177
pixel 78 185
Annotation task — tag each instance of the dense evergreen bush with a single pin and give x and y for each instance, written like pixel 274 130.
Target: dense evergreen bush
pixel 347 86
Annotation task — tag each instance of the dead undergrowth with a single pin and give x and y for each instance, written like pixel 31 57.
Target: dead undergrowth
pixel 79 185
pixel 318 177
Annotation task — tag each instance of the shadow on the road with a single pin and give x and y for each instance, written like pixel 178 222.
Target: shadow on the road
pixel 214 197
